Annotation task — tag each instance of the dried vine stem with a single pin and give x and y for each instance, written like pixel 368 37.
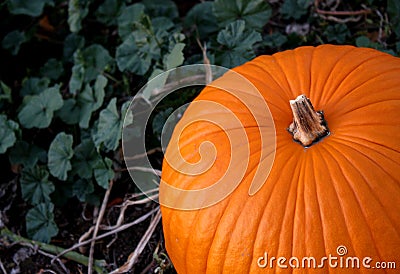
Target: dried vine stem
pixel 339 13
pixel 63 252
pixel 98 266
pixel 133 257
pixel 96 228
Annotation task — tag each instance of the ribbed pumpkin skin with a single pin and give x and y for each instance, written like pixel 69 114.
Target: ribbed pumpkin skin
pixel 343 190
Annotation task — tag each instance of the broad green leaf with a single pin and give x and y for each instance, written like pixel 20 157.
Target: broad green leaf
pixel 38 110
pixel 130 16
pixel 103 173
pixel 5 94
pixel 85 159
pixel 109 128
pixel 165 8
pixel 89 63
pixel 34 85
pixel 26 154
pixel 136 53
pixel 295 8
pixel 35 186
pixel 238 44
pixel 77 78
pixel 274 40
pixel 7 133
pixel 60 154
pixel 77 11
pixel 40 225
pixel 202 18
pixel 393 10
pixel 337 32
pixel 32 8
pixel 108 12
pixel 52 69
pixel 80 110
pixel 255 13
pixel 82 189
pixel 72 43
pixel 175 57
pixel 13 41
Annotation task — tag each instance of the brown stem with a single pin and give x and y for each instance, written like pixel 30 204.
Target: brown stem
pixel 308 125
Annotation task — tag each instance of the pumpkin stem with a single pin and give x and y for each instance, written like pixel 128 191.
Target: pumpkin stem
pixel 308 125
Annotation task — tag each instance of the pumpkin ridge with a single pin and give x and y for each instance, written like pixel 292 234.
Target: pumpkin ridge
pixel 359 203
pixel 263 60
pixel 372 160
pixel 319 96
pixel 344 141
pixel 301 180
pixel 372 193
pixel 323 161
pixel 361 137
pixel 327 95
pixel 366 82
pixel 282 69
pixel 254 80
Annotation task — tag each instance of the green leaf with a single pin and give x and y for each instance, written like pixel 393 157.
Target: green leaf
pixel 72 43
pixel 40 225
pixel 89 63
pixel 274 40
pixel 393 10
pixel 255 13
pixel 295 8
pixel 82 189
pixel 201 17
pixel 52 69
pixel 130 16
pixel 165 8
pixel 80 110
pixel 32 8
pixel 77 11
pixel 108 12
pixel 85 159
pixel 60 154
pixel 159 121
pixel 34 85
pixel 13 41
pixel 238 44
pixel 175 57
pixel 109 128
pixel 103 173
pixel 7 133
pixel 136 53
pixel 5 92
pixel 38 110
pixel 337 32
pixel 25 154
pixel 35 186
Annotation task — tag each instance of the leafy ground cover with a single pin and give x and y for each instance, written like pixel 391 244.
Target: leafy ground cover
pixel 68 70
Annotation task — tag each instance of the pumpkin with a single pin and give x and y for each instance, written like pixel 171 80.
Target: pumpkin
pixel 331 190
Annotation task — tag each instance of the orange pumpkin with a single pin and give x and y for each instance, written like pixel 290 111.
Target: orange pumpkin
pixel 337 196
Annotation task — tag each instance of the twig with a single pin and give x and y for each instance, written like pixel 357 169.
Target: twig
pixel 2 267
pixel 99 266
pixel 146 169
pixel 52 257
pixel 339 13
pixel 206 61
pixel 149 152
pixel 96 228
pixel 133 257
pixel 101 236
